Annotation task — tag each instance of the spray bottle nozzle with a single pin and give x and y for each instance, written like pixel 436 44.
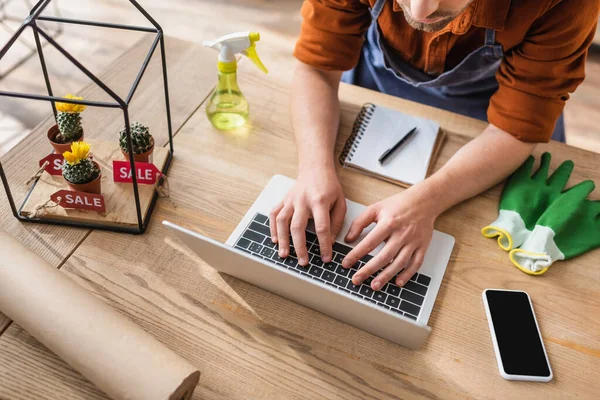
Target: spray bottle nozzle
pixel 237 43
pixel 254 36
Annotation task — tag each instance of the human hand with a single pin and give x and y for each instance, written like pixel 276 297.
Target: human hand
pixel 316 194
pixel 405 223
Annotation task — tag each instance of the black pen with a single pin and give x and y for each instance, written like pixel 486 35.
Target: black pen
pixel 389 151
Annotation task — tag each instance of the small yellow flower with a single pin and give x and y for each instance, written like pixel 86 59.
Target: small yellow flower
pixel 79 151
pixel 70 108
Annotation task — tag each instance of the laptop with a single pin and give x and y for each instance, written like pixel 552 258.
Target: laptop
pixel 393 313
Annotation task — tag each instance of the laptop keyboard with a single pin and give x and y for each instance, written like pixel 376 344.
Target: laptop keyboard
pixel 406 300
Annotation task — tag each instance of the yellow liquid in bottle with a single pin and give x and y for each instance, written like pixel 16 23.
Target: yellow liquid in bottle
pixel 227 107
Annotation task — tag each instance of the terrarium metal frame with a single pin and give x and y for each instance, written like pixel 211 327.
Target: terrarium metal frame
pixel 32 50
pixel 123 104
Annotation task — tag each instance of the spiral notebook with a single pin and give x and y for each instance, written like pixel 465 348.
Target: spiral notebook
pixel 376 129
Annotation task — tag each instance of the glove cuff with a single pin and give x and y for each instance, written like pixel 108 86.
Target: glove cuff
pixel 509 228
pixel 538 252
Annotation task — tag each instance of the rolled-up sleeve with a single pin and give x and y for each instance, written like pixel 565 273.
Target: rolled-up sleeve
pixel 332 33
pixel 536 77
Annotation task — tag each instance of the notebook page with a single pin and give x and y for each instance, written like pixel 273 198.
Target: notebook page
pixel 408 164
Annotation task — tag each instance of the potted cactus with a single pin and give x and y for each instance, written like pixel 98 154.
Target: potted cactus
pixel 80 171
pixel 142 140
pixel 68 127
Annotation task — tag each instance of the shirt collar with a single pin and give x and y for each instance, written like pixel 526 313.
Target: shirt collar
pixel 481 13
pixel 490 14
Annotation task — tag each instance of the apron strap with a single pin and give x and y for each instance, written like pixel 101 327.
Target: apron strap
pixel 490 37
pixel 376 10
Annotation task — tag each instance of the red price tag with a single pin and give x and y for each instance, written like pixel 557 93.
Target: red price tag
pixel 146 173
pixel 55 162
pixel 79 200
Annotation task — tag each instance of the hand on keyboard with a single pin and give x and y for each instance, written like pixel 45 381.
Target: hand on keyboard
pixel 405 223
pixel 318 194
pixel 406 301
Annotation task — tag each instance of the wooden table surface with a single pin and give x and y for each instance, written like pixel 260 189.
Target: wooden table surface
pixel 56 243
pixel 251 344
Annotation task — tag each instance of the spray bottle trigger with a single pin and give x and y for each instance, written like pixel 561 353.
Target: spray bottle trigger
pixel 251 53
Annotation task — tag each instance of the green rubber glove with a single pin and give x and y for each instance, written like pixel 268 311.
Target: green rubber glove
pixel 568 228
pixel 524 199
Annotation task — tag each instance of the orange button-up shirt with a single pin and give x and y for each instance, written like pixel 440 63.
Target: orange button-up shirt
pixel 545 44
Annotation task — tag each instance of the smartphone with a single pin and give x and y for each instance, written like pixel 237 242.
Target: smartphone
pixel 516 336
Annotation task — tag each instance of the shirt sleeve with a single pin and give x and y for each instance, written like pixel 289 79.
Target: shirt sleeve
pixel 331 36
pixel 536 77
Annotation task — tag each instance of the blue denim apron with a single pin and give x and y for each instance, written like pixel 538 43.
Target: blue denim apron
pixel 465 89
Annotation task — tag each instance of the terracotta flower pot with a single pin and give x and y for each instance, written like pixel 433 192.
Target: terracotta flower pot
pixel 59 148
pixel 94 186
pixel 143 157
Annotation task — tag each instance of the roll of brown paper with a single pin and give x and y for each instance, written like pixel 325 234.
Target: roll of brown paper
pixel 107 348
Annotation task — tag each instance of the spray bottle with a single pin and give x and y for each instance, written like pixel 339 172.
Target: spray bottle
pixel 227 107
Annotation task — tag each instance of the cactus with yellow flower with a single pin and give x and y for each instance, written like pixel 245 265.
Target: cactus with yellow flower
pixel 68 119
pixel 79 170
pixel 68 127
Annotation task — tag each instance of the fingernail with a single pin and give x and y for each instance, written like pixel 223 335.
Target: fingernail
pixel 326 258
pixel 282 253
pixel 376 285
pixel 274 239
pixel 357 279
pixel 303 261
pixel 400 283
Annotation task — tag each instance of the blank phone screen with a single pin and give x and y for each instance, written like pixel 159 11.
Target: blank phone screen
pixel 517 335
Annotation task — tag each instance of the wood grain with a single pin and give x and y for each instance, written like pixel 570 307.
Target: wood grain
pixel 251 344
pixel 118 197
pixel 189 86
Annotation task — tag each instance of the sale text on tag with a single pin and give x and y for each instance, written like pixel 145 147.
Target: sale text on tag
pixel 145 173
pixel 55 162
pixel 79 200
